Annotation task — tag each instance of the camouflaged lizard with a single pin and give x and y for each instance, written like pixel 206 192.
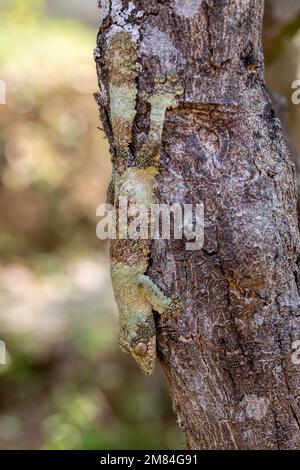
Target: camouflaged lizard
pixel 137 296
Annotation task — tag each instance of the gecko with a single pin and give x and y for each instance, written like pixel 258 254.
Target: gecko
pixel 133 177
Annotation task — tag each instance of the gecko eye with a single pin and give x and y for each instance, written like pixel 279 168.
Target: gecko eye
pixel 140 349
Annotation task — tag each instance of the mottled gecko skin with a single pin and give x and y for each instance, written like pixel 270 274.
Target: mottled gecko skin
pixel 133 177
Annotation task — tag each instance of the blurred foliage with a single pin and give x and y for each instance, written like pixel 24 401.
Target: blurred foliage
pixel 281 41
pixel 65 385
pixel 53 162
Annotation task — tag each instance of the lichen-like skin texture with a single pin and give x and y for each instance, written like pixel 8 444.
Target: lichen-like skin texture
pixel 137 296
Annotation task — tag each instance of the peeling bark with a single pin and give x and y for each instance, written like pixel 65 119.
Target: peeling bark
pixel 228 358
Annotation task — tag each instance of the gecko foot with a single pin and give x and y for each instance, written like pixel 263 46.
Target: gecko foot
pixel 166 88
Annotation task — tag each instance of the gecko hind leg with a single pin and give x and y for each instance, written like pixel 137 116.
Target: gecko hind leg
pixel 159 301
pixel 164 96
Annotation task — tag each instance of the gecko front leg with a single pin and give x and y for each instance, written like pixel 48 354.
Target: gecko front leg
pixel 158 300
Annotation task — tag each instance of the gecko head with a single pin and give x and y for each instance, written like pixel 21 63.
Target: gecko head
pixel 141 345
pixel 144 353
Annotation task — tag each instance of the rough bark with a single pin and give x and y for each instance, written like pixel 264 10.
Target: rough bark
pixel 228 358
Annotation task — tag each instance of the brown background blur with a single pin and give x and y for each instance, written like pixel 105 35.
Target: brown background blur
pixel 65 384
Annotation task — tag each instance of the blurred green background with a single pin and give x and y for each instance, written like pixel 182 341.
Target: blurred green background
pixel 65 384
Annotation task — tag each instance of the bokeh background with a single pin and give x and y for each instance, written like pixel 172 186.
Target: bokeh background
pixel 65 384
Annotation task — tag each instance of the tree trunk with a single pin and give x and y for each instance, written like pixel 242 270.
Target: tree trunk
pixel 229 358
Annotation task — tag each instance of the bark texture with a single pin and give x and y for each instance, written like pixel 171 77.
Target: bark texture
pixel 228 358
